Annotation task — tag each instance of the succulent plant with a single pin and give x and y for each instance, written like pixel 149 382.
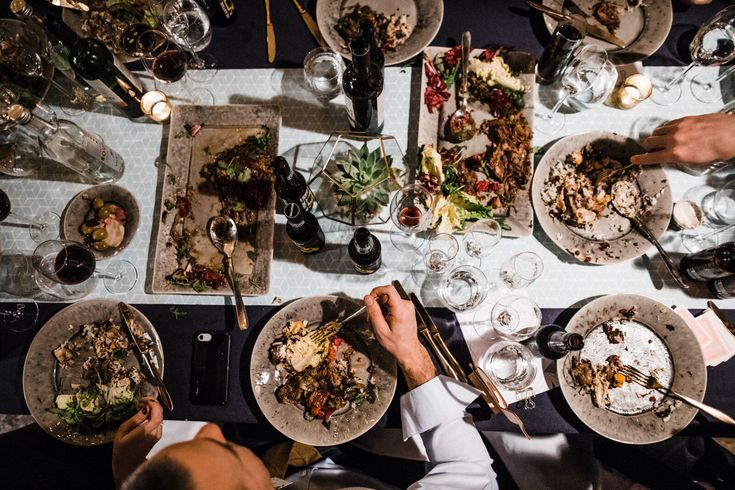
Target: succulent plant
pixel 363 176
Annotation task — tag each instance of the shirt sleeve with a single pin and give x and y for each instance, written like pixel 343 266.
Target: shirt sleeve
pixel 435 411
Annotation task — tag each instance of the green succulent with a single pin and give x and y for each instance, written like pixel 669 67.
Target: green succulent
pixel 363 175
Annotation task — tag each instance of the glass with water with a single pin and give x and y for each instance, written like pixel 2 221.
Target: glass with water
pixel 323 68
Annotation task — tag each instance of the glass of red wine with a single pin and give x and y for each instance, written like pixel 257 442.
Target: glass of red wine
pixel 42 227
pixel 19 317
pixel 411 213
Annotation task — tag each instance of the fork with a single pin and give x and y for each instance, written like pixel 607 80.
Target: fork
pixel 322 333
pixel 650 381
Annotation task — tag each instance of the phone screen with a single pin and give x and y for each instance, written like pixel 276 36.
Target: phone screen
pixel 210 368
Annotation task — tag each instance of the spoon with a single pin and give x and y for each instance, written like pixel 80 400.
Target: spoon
pixel 223 233
pixel 627 203
pixel 461 126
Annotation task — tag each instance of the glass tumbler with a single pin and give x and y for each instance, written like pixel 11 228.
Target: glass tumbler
pixel 463 288
pixel 521 270
pixel 510 364
pixel 323 68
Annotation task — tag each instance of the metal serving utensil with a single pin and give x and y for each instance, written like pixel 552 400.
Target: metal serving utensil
pixel 460 125
pixel 223 233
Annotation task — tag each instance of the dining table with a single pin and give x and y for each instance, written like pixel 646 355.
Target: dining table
pixel 246 77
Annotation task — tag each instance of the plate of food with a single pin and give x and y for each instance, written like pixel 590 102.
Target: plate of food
pixel 488 175
pixel 581 184
pixel 104 217
pixel 218 163
pixel 81 378
pixel 325 393
pixel 642 25
pixel 627 329
pixel 403 28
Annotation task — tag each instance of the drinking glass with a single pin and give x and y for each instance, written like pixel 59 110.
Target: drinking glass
pixel 323 68
pixel 481 237
pixel 189 25
pixel 18 317
pixel 515 318
pixel 703 85
pixel 580 75
pixel 463 288
pixel 410 212
pixel 719 207
pixel 713 45
pixel 600 89
pixel 42 227
pixel 440 253
pixel 521 270
pixel 510 364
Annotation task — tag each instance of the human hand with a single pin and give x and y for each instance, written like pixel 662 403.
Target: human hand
pixel 135 438
pixel 693 139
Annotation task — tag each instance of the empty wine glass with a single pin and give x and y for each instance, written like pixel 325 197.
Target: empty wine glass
pixel 515 318
pixel 580 75
pixel 440 253
pixel 713 45
pixel 510 364
pixel 18 317
pixel 703 85
pixel 410 212
pixel 189 25
pixel 481 237
pixel 463 288
pixel 42 227
pixel 521 270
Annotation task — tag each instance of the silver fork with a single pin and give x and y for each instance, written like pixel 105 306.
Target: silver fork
pixel 330 328
pixel 650 381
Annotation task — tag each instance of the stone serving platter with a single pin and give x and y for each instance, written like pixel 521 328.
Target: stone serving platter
pixel 41 372
pixel 672 354
pixel 346 424
pixel 519 216
pixel 223 127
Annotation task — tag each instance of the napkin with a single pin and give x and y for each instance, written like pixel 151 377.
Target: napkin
pixel 716 342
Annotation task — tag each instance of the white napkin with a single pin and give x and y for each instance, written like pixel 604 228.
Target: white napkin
pixel 716 342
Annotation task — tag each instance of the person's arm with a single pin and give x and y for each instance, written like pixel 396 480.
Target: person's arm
pixel 135 438
pixel 693 140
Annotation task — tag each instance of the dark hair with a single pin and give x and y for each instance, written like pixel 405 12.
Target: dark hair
pixel 160 473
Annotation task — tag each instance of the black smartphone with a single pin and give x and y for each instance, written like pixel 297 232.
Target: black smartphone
pixel 210 368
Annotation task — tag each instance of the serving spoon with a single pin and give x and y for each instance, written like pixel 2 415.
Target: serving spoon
pixel 627 203
pixel 460 125
pixel 223 233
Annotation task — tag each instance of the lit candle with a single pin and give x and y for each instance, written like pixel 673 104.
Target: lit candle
pixel 634 89
pixel 156 106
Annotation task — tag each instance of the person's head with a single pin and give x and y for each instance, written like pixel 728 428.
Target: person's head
pixel 201 463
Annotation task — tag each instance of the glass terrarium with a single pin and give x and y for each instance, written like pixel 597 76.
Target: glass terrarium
pixel 354 175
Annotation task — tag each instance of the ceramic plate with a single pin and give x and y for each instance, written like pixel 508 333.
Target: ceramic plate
pixel 79 209
pixel 644 29
pixel 40 367
pixel 424 16
pixel 345 425
pixel 519 216
pixel 612 238
pixel 657 340
pixel 222 127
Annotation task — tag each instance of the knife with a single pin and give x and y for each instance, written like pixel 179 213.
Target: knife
pixel 721 315
pixel 500 400
pixel 270 33
pixel 70 4
pixel 128 320
pixel 592 30
pixel 310 24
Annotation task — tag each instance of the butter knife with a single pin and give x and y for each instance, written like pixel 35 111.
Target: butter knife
pixel 721 315
pixel 70 4
pixel 270 33
pixel 592 30
pixel 128 320
pixel 310 24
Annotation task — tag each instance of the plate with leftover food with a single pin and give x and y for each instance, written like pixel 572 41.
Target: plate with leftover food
pixel 627 329
pixel 403 28
pixel 321 393
pixel 104 217
pixel 489 175
pixel 580 185
pixel 642 25
pixel 218 163
pixel 81 378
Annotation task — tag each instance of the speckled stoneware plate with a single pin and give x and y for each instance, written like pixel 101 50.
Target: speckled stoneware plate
pixel 519 215
pixel 657 340
pixel 79 209
pixel 424 16
pixel 644 29
pixel 611 238
pixel 346 424
pixel 222 127
pixel 40 367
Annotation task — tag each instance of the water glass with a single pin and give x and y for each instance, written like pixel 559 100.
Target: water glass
pixel 18 317
pixel 188 23
pixel 440 253
pixel 481 237
pixel 463 288
pixel 323 69
pixel 521 270
pixel 510 364
pixel 515 318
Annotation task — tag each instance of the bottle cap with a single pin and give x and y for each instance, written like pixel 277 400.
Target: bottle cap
pixel 362 235
pixel 18 113
pixel 279 163
pixel 575 341
pixel 292 211
pixel 359 46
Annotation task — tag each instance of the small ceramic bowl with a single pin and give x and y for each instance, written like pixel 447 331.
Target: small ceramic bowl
pixel 79 209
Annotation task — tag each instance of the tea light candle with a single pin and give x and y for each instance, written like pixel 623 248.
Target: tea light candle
pixel 634 89
pixel 156 106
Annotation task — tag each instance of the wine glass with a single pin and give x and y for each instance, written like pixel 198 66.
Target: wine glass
pixel 189 25
pixel 713 45
pixel 703 85
pixel 581 74
pixel 510 364
pixel 411 212
pixel 521 270
pixel 440 253
pixel 42 227
pixel 18 317
pixel 515 318
pixel 481 237
pixel 464 288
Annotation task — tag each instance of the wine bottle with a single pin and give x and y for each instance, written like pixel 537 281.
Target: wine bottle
pixel 221 12
pixel 290 185
pixel 303 229
pixel 712 263
pixel 723 288
pixel 553 342
pixel 363 86
pixel 364 250
pixel 367 30
pixel 64 142
pixel 93 61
